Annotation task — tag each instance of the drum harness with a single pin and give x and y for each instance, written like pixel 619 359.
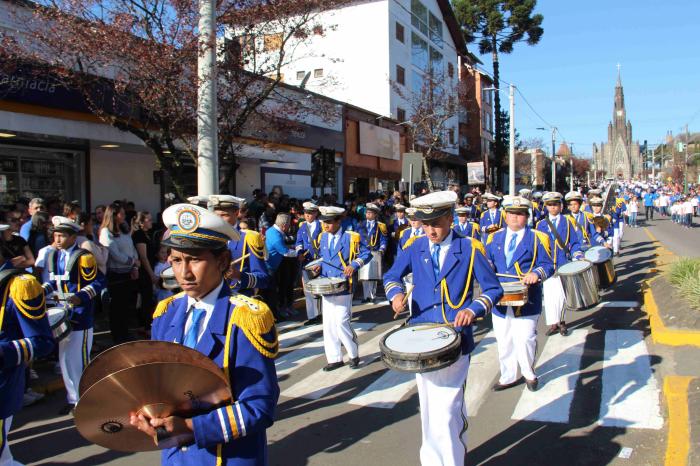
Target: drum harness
pixel 559 241
pixel 61 280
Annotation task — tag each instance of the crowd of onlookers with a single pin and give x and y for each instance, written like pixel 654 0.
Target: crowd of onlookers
pixel 670 201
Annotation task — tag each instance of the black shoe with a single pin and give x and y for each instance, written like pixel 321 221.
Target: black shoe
pixel 67 409
pixel 552 330
pixel 354 363
pixel 366 301
pixel 313 321
pixel 532 384
pixel 563 330
pixel 332 366
pixel 499 387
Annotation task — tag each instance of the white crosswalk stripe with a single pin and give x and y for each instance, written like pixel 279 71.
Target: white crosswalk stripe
pixel 557 370
pixel 386 391
pixel 483 370
pixel 630 390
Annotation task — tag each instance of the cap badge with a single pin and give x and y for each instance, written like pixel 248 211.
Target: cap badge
pixel 188 220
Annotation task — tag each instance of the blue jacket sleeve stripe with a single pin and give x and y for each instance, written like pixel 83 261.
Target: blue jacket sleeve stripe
pixel 222 422
pixel 239 420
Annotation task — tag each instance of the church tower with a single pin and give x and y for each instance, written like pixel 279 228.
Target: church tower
pixel 619 157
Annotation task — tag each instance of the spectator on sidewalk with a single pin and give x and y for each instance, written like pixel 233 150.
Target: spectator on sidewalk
pixel 278 295
pixel 141 227
pixel 632 211
pixel 35 205
pixel 649 199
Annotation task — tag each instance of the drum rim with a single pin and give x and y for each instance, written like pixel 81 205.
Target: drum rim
pixel 587 266
pixel 446 360
pixel 514 288
pixel 599 261
pixel 64 318
pixel 456 344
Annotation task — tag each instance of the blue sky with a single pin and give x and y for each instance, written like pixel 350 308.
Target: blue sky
pixel 569 77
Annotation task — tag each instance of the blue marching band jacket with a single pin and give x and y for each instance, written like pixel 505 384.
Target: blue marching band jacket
pixel 348 250
pixel 376 237
pixel 25 335
pixel 570 235
pixel 253 270
pixel 306 243
pixel 533 254
pixel 241 338
pixel 438 300
pixel 487 219
pixel 468 229
pixel 584 221
pixel 79 275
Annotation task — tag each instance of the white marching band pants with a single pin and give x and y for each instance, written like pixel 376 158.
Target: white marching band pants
pixel 369 289
pixel 312 309
pixel 554 300
pixel 517 343
pixel 337 310
pixel 5 454
pixel 443 414
pixel 73 357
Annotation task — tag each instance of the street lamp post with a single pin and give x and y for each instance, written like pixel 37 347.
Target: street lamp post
pixel 511 152
pixel 207 140
pixel 554 164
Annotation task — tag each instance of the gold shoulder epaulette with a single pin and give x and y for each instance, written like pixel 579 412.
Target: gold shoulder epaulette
pixel 28 295
pixel 301 224
pixel 88 267
pixel 544 239
pixel 489 239
pixel 382 228
pixel 410 241
pixel 163 305
pixel 256 244
pixel 255 319
pixel 478 245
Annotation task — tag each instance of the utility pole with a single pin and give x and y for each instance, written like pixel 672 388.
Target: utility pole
pixel 511 154
pixel 685 168
pixel 571 163
pixel 207 140
pixel 554 163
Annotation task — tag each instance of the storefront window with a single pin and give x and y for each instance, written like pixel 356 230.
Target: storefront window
pixel 52 174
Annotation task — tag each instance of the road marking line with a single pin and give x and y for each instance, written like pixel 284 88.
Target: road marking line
pixel 483 370
pixel 308 352
pixel 320 383
pixel 294 337
pixel 386 391
pixel 678 445
pixel 288 325
pixel 630 391
pixel 625 304
pixel 558 370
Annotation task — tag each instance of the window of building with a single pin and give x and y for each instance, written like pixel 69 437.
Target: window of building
pixel 416 83
pixel 451 136
pixel 436 64
pixel 400 75
pixel 400 114
pixel 272 42
pixel 435 27
pixel 300 75
pixel 399 32
pixel 426 22
pixel 318 73
pixel 450 69
pixel 463 141
pixel 419 52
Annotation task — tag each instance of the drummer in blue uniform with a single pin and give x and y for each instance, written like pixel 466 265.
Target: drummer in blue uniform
pixel 464 226
pixel 565 239
pixel 590 195
pixel 537 207
pixel 25 335
pixel 606 234
pixel 412 233
pixel 400 222
pixel 519 251
pixel 306 246
pixel 473 212
pixel 75 277
pixel 491 218
pixel 343 252
pixel 445 265
pixel 583 220
pixel 375 237
pixel 250 272
pixel 238 333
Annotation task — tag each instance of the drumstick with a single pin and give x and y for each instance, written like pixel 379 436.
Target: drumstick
pixel 240 259
pixel 405 300
pixel 507 275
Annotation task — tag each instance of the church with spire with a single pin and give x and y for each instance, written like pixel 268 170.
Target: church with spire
pixel 619 157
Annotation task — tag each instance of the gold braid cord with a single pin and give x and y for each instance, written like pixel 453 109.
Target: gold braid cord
pixel 162 306
pixel 255 319
pixel 25 289
pixel 88 267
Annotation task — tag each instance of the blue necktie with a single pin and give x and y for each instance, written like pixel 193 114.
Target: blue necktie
pixel 511 250
pixel 191 338
pixel 332 247
pixel 436 260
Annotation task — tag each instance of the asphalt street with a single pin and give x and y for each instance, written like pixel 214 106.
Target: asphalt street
pixel 599 400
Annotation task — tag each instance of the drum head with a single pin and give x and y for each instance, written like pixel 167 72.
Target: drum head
pixel 313 264
pixel 55 315
pixel 416 339
pixel 574 268
pixel 598 254
pixel 513 287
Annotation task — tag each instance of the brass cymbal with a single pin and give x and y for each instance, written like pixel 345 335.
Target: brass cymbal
pixel 157 390
pixel 136 353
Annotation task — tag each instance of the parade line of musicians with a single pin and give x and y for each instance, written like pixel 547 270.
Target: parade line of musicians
pixel 447 245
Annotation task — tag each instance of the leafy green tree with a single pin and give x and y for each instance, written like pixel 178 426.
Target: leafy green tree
pixel 497 25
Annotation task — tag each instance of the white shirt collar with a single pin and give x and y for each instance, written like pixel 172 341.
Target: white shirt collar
pixel 206 303
pixel 519 235
pixel 278 229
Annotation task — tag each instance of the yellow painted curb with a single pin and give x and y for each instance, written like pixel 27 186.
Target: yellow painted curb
pixel 678 445
pixel 659 332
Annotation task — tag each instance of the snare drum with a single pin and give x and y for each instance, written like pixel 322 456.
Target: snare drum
pixel 372 270
pixel 514 294
pixel 326 286
pixel 601 258
pixel 578 280
pixel 168 277
pixel 420 347
pixel 59 323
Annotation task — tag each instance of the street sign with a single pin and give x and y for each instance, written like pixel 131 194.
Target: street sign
pixel 412 175
pixel 475 173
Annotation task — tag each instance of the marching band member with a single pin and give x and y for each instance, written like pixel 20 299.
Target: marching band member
pixel 492 217
pixel 374 235
pixel 401 221
pixel 596 204
pixel 308 236
pixel 74 277
pixel 583 220
pixel 444 264
pixel 410 234
pixel 591 194
pixel 473 212
pixel 565 239
pixel 526 194
pixel 342 252
pixel 537 208
pixel 522 251
pixel 251 272
pixel 464 226
pixel 618 216
pixel 238 333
